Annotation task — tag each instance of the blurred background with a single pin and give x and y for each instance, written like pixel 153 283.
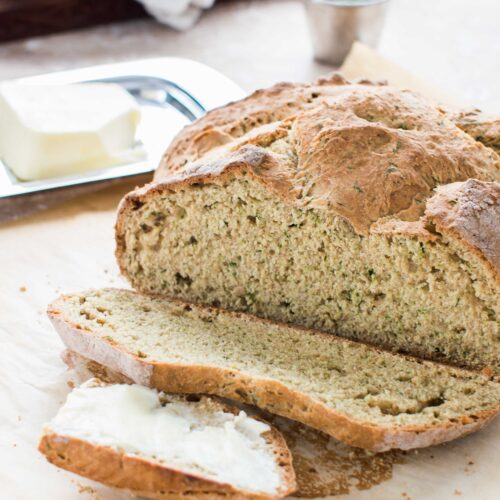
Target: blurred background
pixel 453 45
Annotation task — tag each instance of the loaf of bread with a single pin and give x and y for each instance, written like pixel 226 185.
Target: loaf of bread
pixel 358 394
pixel 167 447
pixel 358 210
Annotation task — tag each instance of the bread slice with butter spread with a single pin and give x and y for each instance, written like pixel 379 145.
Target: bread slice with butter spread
pixel 162 446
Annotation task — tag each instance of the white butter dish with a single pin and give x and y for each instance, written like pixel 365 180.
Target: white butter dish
pixel 170 92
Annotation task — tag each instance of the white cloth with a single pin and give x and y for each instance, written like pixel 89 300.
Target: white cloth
pixel 178 14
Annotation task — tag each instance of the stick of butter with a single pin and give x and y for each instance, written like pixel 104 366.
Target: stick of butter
pixel 50 131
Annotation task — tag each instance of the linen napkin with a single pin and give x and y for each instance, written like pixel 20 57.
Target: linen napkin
pixel 178 14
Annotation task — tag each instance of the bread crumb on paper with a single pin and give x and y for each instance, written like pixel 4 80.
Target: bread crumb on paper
pixel 326 467
pixel 83 488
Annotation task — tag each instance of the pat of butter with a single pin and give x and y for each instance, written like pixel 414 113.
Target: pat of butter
pixel 49 131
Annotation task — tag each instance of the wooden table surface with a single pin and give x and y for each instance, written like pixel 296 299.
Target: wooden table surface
pixel 452 44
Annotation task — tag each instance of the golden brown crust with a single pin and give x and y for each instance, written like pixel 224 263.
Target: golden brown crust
pixel 148 478
pixel 267 394
pixel 362 151
pixel 470 212
pixel 222 125
pixel 480 126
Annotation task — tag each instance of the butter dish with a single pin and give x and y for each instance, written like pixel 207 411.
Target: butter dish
pixel 170 93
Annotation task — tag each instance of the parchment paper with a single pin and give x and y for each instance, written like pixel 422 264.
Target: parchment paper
pixel 365 62
pixel 71 248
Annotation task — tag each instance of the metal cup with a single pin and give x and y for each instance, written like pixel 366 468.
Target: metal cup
pixel 336 24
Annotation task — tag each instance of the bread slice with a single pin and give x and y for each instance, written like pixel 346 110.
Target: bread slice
pixel 166 447
pixel 323 466
pixel 316 205
pixel 358 394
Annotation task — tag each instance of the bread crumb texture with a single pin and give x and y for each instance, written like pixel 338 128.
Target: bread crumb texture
pixel 325 466
pixel 405 286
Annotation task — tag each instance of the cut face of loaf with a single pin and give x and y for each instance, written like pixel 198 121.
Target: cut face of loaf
pixel 360 395
pixel 164 446
pixel 428 287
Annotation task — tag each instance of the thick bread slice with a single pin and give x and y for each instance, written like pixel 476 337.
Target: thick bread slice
pixel 167 447
pixel 315 205
pixel 358 394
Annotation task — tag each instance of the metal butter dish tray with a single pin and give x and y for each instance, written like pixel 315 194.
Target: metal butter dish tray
pixel 171 93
